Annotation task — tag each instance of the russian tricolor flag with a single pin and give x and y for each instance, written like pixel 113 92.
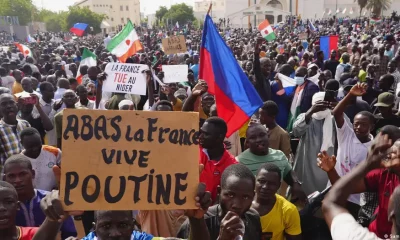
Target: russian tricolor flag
pixel 327 44
pixel 236 97
pixel 79 29
pixel 288 83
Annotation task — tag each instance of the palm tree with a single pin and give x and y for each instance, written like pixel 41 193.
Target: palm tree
pixel 362 4
pixel 377 6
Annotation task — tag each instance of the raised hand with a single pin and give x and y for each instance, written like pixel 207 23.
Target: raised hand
pixel 359 89
pixel 203 200
pixel 325 162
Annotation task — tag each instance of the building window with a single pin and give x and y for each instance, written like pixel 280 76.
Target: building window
pixel 110 6
pixel 127 8
pixel 121 8
pixel 122 20
pixel 112 19
pixel 127 19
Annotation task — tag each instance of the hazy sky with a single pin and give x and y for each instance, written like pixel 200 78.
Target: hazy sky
pixel 147 6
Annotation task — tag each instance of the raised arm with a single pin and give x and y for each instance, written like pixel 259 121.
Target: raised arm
pixel 357 90
pixel 99 88
pixel 335 202
pixel 197 91
pixel 46 122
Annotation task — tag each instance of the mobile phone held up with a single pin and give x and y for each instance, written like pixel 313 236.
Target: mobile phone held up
pixel 330 96
pixel 29 100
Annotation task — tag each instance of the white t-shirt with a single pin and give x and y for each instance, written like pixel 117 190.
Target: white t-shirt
pixel 351 152
pixel 43 167
pixel 345 227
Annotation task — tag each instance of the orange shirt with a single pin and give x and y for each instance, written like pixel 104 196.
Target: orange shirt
pixel 17 88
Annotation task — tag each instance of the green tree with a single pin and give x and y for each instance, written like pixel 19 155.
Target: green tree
pixel 23 9
pixel 197 23
pixel 55 21
pixel 83 15
pixel 362 4
pixel 376 6
pixel 161 12
pixel 181 13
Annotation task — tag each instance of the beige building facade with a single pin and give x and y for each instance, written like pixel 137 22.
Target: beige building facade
pixel 118 12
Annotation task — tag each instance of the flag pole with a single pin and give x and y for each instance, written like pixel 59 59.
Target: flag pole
pixel 209 9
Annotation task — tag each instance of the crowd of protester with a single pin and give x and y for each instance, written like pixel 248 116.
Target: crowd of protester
pixel 322 162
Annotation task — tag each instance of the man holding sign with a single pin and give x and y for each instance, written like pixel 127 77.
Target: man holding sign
pixel 125 78
pixel 118 225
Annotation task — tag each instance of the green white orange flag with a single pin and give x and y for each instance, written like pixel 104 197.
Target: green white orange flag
pixel 24 49
pixel 89 59
pixel 125 44
pixel 266 31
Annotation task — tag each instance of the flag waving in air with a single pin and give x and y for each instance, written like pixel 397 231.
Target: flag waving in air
pixel 24 49
pixel 79 29
pixel 327 44
pixel 235 95
pixel 266 31
pixel 311 26
pixel 125 44
pixel 30 39
pixel 89 59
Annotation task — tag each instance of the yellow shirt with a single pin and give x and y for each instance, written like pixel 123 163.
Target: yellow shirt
pixel 362 76
pixel 178 105
pixel 17 88
pixel 243 130
pixel 283 218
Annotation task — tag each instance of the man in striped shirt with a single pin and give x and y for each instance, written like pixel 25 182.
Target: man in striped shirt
pixel 10 128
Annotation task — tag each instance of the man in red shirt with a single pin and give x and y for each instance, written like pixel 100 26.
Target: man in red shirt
pixel 381 178
pixel 213 154
pixel 8 211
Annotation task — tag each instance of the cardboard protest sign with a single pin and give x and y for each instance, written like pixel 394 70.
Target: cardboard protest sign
pixel 123 160
pixel 175 73
pixel 174 44
pixel 125 78
pixel 302 36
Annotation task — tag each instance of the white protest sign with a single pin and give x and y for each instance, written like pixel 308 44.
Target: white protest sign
pixel 175 73
pixel 125 78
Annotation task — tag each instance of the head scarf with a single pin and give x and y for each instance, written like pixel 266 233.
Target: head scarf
pixel 327 129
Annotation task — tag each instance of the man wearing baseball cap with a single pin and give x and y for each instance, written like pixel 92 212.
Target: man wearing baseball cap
pixel 385 104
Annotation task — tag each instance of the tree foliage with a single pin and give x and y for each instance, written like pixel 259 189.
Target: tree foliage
pixel 55 22
pixel 161 12
pixel 83 15
pixel 362 4
pixel 23 9
pixel 181 13
pixel 376 6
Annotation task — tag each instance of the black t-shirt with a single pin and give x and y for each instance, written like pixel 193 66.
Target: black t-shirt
pixel 353 109
pixel 251 221
pixel 381 122
pixel 37 123
pixel 331 65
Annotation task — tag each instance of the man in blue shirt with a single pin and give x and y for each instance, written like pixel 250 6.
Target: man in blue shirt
pixel 195 66
pixel 19 173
